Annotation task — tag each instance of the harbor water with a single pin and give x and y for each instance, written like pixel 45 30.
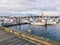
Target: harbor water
pixel 51 32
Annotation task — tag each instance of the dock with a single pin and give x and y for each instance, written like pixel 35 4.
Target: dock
pixel 12 21
pixel 11 39
pixel 35 40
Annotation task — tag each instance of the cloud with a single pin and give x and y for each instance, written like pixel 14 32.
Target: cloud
pixel 29 6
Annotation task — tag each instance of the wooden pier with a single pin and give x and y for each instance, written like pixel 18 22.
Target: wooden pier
pixel 11 39
pixel 34 39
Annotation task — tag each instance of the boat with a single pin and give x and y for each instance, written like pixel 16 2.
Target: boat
pixel 50 22
pixel 57 20
pixel 38 22
pixel 44 22
pixel 24 21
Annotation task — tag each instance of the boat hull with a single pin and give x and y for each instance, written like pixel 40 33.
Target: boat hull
pixel 50 23
pixel 37 23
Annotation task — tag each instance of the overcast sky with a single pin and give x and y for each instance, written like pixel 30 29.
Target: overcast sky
pixel 29 7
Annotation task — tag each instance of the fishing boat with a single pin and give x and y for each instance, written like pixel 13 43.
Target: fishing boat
pixel 50 22
pixel 38 22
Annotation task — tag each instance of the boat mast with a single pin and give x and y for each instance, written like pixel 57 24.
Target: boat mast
pixel 42 14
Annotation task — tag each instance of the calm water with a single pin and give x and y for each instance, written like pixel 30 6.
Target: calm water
pixel 50 31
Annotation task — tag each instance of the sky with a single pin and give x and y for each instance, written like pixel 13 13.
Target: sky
pixel 23 7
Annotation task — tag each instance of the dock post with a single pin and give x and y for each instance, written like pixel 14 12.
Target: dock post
pixel 19 20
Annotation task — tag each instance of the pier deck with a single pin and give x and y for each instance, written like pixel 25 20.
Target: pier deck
pixel 10 39
pixel 27 39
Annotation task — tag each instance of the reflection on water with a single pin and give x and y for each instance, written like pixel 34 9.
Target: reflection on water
pixel 48 31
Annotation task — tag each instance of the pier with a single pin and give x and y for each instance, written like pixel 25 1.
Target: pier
pixel 30 38
pixel 11 39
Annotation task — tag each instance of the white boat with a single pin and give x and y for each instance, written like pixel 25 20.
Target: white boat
pixel 57 20
pixel 24 21
pixel 39 22
pixel 43 22
pixel 50 22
